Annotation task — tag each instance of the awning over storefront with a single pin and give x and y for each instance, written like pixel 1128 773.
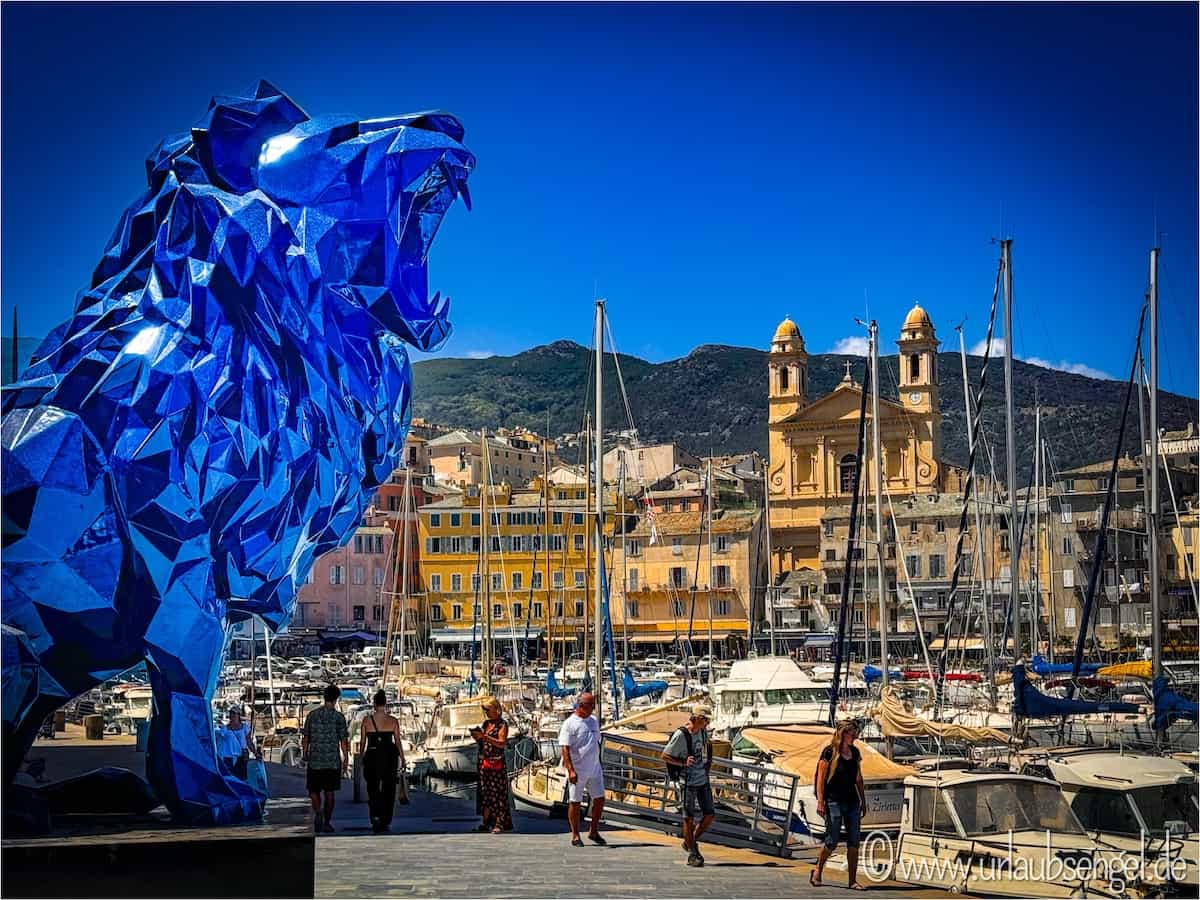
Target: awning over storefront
pixel 700 636
pixel 962 644
pixel 349 637
pixel 464 636
pixel 819 640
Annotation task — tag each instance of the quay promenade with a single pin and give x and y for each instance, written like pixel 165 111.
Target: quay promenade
pixel 434 850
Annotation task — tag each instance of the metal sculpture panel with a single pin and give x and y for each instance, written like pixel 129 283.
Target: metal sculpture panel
pixel 230 391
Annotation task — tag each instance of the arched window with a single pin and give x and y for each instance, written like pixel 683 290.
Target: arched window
pixel 783 378
pixel 914 368
pixel 846 473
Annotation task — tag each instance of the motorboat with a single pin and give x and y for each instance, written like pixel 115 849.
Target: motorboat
pixel 767 690
pixel 997 833
pixel 1133 803
pixel 449 743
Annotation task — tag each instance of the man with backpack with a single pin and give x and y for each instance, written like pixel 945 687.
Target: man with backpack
pixel 688 756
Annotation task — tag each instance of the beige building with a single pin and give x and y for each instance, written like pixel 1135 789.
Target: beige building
pixel 657 587
pixel 516 457
pixel 812 444
pixel 647 464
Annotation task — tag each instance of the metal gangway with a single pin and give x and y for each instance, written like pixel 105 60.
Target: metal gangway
pixel 754 804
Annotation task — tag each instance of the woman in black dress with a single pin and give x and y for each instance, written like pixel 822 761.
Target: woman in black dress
pixel 491 799
pixel 382 755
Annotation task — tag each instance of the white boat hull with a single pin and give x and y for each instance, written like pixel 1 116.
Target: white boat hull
pixel 460 760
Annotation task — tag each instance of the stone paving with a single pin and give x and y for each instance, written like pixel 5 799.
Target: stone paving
pixel 434 851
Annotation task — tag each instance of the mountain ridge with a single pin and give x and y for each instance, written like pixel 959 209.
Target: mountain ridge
pixel 715 399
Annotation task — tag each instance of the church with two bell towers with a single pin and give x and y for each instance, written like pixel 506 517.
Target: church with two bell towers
pixel 812 442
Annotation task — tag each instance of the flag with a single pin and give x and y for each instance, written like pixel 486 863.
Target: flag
pixel 651 520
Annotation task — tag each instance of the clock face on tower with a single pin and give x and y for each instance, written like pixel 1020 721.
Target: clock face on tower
pixel 914 397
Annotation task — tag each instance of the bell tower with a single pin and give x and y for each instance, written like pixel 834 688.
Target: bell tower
pixel 918 363
pixel 787 367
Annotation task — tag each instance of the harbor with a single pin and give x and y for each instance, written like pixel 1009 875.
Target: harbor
pixel 800 496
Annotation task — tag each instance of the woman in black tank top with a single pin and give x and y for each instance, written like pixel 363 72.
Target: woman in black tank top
pixel 379 744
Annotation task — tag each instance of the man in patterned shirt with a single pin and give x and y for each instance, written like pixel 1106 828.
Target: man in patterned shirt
pixel 325 732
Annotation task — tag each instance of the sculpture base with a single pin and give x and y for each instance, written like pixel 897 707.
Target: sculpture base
pixel 142 855
pixel 150 856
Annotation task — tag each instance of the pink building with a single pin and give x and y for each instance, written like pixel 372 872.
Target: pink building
pixel 348 587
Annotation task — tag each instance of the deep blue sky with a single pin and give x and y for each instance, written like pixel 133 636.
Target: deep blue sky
pixel 708 168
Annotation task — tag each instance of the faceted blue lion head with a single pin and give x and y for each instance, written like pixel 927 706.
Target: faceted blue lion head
pixel 364 198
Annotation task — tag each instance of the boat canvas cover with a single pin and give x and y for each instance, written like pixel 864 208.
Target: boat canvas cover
pixel 1138 669
pixel 798 748
pixel 1030 703
pixel 896 721
pixel 1042 667
pixel 872 674
pixel 1169 705
pixel 633 689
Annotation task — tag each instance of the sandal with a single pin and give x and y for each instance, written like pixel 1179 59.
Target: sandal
pixel 812 879
pixel 855 886
pixel 576 842
pixel 497 830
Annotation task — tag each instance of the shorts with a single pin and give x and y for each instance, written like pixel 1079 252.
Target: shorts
pixel 591 782
pixel 837 817
pixel 319 780
pixel 696 800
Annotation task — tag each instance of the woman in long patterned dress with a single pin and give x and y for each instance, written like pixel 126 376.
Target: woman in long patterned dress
pixel 491 799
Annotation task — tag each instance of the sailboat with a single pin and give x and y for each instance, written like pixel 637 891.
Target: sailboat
pixel 1171 719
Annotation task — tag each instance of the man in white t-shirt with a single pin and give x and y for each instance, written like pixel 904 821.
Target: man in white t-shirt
pixel 579 739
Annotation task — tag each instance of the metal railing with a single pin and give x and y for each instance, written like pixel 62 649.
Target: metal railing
pixel 753 804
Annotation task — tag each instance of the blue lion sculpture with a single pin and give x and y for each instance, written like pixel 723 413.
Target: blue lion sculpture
pixel 230 391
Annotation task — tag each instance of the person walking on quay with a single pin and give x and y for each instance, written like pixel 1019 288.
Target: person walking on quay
pixel 841 796
pixel 382 755
pixel 234 744
pixel 491 798
pixel 579 739
pixel 690 750
pixel 325 738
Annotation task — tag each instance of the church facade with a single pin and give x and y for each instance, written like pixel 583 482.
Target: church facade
pixel 812 443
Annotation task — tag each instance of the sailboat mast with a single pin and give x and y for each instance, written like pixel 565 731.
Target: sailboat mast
pixel 624 564
pixel 546 543
pixel 1035 560
pixel 986 611
pixel 408 499
pixel 485 612
pixel 1052 618
pixel 1156 611
pixel 1014 595
pixel 708 512
pixel 769 594
pixel 587 544
pixel 877 471
pixel 598 585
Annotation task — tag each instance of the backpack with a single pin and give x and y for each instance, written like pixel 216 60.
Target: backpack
pixel 674 772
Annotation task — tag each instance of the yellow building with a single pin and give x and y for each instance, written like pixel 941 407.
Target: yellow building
pixel 537 576
pixel 812 444
pixel 654 585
